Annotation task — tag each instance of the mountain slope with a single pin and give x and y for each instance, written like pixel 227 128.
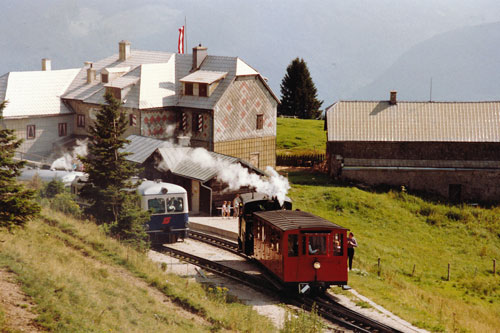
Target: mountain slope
pixel 463 65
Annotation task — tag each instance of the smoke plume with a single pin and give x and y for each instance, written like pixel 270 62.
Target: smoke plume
pixel 234 174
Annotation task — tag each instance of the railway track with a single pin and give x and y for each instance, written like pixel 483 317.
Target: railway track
pixel 325 305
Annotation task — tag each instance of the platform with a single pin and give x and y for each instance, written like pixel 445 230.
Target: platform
pixel 217 226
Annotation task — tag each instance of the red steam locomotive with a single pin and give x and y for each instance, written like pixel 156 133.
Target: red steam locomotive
pixel 302 250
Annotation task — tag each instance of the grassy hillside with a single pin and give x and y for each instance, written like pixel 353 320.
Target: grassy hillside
pixel 300 136
pixel 404 230
pixel 82 281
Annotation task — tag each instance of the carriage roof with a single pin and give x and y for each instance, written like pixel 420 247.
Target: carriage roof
pixel 293 219
pixel 149 187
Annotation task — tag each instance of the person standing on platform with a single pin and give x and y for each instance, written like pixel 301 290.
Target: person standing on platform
pixel 351 244
pixel 224 209
pixel 236 205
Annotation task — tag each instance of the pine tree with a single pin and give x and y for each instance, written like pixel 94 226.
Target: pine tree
pixel 298 92
pixel 16 202
pixel 109 173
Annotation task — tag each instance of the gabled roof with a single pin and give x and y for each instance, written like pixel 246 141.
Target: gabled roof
pixel 414 121
pixel 141 147
pixel 35 93
pixel 155 79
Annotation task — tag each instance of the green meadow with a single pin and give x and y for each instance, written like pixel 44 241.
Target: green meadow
pixel 299 136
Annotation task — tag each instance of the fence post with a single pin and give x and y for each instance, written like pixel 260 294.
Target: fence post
pixel 413 271
pixel 378 266
pixel 494 267
pixel 448 278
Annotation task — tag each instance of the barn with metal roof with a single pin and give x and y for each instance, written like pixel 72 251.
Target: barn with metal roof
pixel 448 148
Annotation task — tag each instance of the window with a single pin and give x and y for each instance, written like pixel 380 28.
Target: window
pixel 104 78
pixel 316 245
pixel 338 245
pixel 156 206
pixel 30 132
pixel 198 122
pixel 293 245
pixel 183 122
pixel 80 120
pixel 260 121
pixel 175 205
pixel 188 89
pixel 203 89
pixel 132 120
pixel 63 129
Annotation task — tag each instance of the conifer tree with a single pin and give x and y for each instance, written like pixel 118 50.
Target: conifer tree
pixel 298 92
pixel 16 202
pixel 109 173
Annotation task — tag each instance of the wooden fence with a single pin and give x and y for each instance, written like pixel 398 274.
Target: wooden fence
pixel 302 160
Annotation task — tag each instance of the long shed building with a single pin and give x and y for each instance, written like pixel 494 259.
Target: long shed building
pixel 447 148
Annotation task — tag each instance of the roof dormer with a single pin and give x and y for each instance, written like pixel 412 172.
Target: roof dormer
pixel 201 83
pixel 110 73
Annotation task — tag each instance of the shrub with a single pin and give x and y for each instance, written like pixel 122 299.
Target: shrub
pixel 53 188
pixel 65 203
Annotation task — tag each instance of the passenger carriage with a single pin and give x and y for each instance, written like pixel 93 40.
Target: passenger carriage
pixel 301 249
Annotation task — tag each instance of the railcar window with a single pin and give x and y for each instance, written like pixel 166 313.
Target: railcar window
pixel 317 245
pixel 338 245
pixel 175 205
pixel 156 206
pixel 293 245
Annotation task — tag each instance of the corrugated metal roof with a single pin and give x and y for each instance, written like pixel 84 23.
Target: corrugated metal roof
pixel 414 121
pixel 35 93
pixel 208 77
pixel 142 147
pixel 293 219
pixel 184 162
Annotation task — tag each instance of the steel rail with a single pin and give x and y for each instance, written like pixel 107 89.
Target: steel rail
pixel 325 305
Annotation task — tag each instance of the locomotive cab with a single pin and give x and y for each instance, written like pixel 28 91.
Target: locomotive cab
pixel 251 203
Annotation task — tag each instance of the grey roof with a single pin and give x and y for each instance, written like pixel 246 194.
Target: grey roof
pixel 182 161
pixel 183 66
pixel 81 90
pixel 414 121
pixel 156 79
pixel 142 147
pixel 293 219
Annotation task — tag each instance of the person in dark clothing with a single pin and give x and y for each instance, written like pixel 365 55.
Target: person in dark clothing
pixel 351 244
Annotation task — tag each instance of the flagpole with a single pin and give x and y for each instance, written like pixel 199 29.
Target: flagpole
pixel 185 38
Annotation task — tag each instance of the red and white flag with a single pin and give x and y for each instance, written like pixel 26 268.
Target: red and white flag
pixel 180 45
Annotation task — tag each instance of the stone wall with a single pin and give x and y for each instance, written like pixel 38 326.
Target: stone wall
pixel 443 168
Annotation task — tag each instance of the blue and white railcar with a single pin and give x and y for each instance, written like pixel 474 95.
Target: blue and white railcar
pixel 168 204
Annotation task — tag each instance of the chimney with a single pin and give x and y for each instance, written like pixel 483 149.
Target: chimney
pixel 393 100
pixel 199 54
pixel 124 50
pixel 46 66
pixel 90 73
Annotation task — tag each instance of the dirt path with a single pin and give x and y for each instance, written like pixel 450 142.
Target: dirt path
pixel 17 306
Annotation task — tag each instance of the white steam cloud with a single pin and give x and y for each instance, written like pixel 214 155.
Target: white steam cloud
pixel 237 176
pixel 69 161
